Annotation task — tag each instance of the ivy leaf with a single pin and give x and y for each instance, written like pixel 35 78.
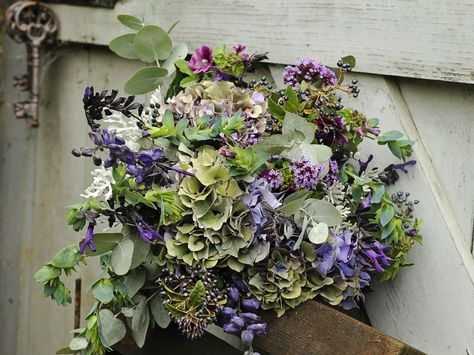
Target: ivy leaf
pixel 152 43
pixel 159 312
pixel 123 46
pixel 103 291
pixel 319 233
pixel 67 257
pixel 145 80
pixel 131 22
pixel 122 256
pixel 197 295
pixel 112 329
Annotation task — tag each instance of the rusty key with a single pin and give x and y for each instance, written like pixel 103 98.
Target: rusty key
pixel 35 24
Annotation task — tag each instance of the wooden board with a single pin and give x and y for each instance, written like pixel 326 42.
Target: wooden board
pixel 313 329
pixel 430 39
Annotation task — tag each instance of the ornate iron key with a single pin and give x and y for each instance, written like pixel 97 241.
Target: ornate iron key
pixel 35 24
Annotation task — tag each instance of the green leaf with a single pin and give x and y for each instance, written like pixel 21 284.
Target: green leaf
pixel 379 190
pixel 276 110
pixel 179 52
pixel 395 149
pixel 152 43
pixel 103 291
pixel 319 233
pixel 197 295
pixel 78 343
pixel 46 273
pixel 320 211
pixel 123 46
pixel 134 281
pixel 104 242
pixel 390 136
pixel 159 312
pixel 172 27
pixel 145 80
pixel 122 256
pixel 316 153
pixel 273 144
pixel 386 214
pixel 66 350
pixel 291 105
pixel 130 21
pixel 140 322
pixel 296 126
pixel 67 257
pixel 112 329
pixel 294 202
pixel 349 59
pixel 183 67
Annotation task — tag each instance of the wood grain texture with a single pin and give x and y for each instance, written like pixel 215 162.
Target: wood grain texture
pixel 313 329
pixel 431 39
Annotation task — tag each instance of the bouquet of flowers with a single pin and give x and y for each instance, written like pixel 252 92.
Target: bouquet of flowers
pixel 226 197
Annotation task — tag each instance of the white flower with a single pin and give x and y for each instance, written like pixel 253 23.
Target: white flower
pixel 125 127
pixel 101 185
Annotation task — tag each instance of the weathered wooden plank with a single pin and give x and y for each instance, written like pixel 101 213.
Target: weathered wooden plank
pixel 313 328
pixel 431 39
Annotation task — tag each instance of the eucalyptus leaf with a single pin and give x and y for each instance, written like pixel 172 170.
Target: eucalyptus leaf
pixel 103 291
pixel 159 312
pixel 319 233
pixel 122 256
pixel 390 136
pixel 78 343
pixel 145 80
pixel 104 242
pixel 320 211
pixel 316 153
pixel 180 51
pixel 140 322
pixel 296 126
pixel 111 328
pixel 134 281
pixel 141 250
pixel 46 273
pixel 123 46
pixel 152 43
pixel 130 21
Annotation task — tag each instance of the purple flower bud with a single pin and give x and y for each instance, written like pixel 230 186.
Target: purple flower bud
pixel 259 328
pixel 88 240
pixel 251 304
pixel 228 312
pixel 247 337
pixel 251 318
pixel 234 294
pixel 231 328
pixel 237 321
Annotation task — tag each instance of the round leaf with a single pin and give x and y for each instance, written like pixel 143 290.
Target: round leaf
pixel 134 281
pixel 103 291
pixel 67 258
pixel 319 211
pixel 145 80
pixel 112 329
pixel 319 233
pixel 78 343
pixel 152 43
pixel 123 46
pixel 104 242
pixel 130 21
pixel 160 313
pixel 122 257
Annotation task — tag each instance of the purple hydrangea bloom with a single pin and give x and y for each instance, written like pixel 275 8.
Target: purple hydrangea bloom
pixel 88 240
pixel 201 61
pixel 310 71
pixel 306 175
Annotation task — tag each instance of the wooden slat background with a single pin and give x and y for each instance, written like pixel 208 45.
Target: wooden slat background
pixel 430 39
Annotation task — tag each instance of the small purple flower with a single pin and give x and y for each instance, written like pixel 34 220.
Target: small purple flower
pixel 149 156
pixel 310 71
pixel 306 175
pixel 237 321
pixel 333 174
pixel 221 75
pixel 201 61
pixel 88 240
pixel 366 203
pixel 259 328
pixel 247 336
pixel 234 294
pixel 401 166
pixel 273 177
pixel 228 312
pixel 251 304
pixel 88 92
pixel 251 318
pixel 147 233
pixel 363 165
pixel 231 329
